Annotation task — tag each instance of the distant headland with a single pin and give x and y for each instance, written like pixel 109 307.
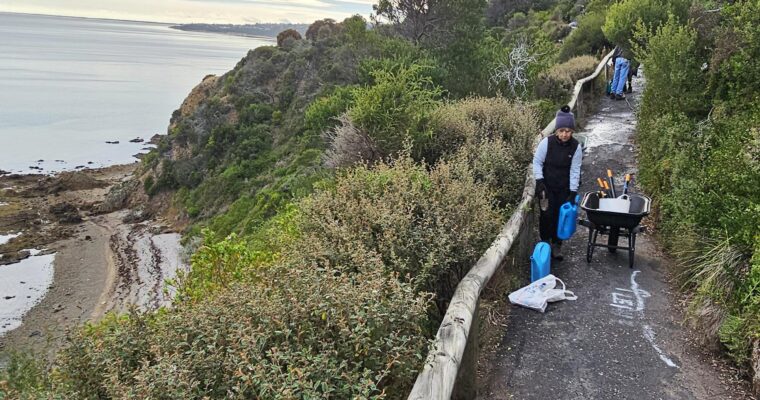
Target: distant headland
pixel 256 30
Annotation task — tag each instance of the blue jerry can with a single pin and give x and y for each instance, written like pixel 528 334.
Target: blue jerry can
pixel 568 217
pixel 539 261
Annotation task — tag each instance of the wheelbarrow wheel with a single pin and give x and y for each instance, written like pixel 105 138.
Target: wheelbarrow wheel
pixel 631 249
pixel 613 238
pixel 591 240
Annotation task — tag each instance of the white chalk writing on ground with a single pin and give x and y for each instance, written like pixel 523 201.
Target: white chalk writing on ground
pixel 629 305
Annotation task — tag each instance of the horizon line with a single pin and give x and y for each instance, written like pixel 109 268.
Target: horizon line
pixel 148 22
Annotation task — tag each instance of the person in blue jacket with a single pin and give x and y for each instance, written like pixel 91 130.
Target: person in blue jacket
pixel 557 169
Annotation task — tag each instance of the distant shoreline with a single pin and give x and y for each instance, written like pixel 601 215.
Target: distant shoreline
pixel 261 30
pixel 177 27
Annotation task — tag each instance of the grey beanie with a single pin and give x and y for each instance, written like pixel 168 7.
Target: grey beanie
pixel 565 119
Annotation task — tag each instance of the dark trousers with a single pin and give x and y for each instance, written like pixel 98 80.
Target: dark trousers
pixel 547 220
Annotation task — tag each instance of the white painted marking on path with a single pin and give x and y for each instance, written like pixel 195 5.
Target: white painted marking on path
pixel 628 304
pixel 640 294
pixel 649 336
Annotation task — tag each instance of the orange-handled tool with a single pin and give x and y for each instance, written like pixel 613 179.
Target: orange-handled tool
pixel 612 183
pixel 627 182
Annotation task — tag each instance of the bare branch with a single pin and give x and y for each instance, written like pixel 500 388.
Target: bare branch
pixel 513 71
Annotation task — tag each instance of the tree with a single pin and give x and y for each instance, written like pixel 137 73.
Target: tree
pixel 451 29
pixel 432 23
pixel 322 27
pixel 412 18
pixel 624 17
pixel 287 36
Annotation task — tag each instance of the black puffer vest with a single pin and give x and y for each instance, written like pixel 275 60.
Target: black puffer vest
pixel 559 157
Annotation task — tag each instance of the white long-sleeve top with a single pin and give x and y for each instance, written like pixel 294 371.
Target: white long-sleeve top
pixel 575 166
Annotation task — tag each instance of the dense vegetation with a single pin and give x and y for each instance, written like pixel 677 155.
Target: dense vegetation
pixel 342 183
pixel 699 150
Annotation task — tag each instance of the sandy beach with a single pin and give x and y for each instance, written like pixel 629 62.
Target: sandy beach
pixel 104 259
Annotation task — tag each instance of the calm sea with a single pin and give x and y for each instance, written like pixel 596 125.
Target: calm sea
pixel 68 85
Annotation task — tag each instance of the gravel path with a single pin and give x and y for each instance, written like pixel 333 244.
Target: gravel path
pixel 623 338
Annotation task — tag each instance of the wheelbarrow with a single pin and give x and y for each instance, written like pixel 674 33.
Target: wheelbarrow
pixel 614 222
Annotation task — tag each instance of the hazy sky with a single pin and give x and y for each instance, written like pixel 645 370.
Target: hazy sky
pixel 217 11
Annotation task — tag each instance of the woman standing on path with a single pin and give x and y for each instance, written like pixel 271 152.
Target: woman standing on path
pixel 557 169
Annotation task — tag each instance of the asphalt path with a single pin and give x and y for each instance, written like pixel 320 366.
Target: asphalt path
pixel 624 338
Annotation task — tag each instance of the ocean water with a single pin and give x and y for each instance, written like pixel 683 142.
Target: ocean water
pixel 68 85
pixel 22 286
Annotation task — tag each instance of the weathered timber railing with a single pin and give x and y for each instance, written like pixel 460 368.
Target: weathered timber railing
pixel 449 371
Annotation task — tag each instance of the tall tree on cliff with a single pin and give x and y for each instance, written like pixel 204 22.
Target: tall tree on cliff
pixel 451 29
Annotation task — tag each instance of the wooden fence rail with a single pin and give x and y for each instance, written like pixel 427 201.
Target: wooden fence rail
pixel 449 371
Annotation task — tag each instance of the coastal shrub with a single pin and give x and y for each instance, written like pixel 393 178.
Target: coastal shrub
pixel 295 331
pixel 495 135
pixel 557 83
pixel 323 113
pixel 556 30
pixel 287 37
pixel 219 263
pixel 672 60
pixel 427 227
pixel 395 107
pixel 698 151
pixel 321 29
pixel 624 17
pixel 586 38
pixel 737 76
pixel 349 145
pixel 25 376
pixel 96 355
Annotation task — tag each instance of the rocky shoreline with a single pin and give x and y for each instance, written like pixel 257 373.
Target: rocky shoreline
pixel 107 256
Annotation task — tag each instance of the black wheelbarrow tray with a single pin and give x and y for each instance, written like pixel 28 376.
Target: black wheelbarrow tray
pixel 613 224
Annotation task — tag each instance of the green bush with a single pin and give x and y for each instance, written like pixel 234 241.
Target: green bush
pixel 25 376
pixel 737 77
pixel 496 137
pixel 323 113
pixel 586 38
pixel 295 332
pixel 426 227
pixel 624 17
pixel 699 159
pixel 675 82
pixel 557 84
pixel 395 107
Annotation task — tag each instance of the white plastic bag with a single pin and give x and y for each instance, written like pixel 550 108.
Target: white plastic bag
pixel 541 292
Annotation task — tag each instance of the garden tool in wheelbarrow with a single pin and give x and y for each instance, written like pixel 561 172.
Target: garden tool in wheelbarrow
pixel 614 217
pixel 612 183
